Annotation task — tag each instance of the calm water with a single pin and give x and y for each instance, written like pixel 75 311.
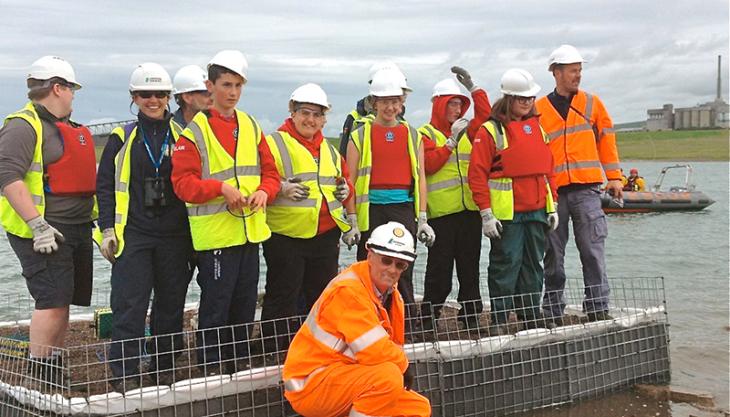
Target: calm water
pixel 690 250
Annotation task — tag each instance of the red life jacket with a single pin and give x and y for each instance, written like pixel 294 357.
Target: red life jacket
pixel 74 174
pixel 526 155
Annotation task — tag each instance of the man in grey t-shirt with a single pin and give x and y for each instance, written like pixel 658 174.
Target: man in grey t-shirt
pixel 46 207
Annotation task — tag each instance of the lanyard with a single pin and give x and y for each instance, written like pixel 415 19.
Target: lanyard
pixel 163 150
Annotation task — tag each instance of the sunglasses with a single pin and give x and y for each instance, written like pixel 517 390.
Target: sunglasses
pixel 307 113
pixel 149 94
pixel 524 100
pixel 388 261
pixel 72 87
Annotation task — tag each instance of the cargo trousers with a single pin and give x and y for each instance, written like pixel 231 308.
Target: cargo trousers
pixel 582 205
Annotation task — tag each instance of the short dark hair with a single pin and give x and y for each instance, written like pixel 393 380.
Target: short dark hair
pixel 40 89
pixel 215 71
pixel 502 110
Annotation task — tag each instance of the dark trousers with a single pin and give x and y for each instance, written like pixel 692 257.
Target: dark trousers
pixel 295 268
pixel 458 239
pixel 148 263
pixel 228 280
pixel 402 213
pixel 515 274
pixel 582 205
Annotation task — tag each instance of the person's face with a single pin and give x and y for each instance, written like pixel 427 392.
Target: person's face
pixel 65 93
pixel 198 100
pixel 521 106
pixel 387 109
pixel 226 91
pixel 308 119
pixel 634 174
pixel 567 77
pixel 152 103
pixel 385 271
pixel 453 109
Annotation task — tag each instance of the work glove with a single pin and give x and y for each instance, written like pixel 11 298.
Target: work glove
pixel 552 219
pixel 292 189
pixel 457 128
pixel 352 236
pixel 408 378
pixel 464 78
pixel 342 191
pixel 45 237
pixel 425 233
pixel 109 244
pixel 491 227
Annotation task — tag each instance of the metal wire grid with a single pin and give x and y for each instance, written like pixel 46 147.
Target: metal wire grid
pixel 472 370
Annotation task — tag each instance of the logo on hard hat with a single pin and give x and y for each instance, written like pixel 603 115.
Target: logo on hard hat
pixel 153 80
pixel 527 129
pixel 398 232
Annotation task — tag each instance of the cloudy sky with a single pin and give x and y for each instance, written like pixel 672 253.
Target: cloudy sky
pixel 642 54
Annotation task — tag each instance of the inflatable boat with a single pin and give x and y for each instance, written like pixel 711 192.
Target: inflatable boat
pixel 677 198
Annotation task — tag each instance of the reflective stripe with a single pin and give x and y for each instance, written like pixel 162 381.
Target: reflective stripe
pixel 202 149
pixel 27 113
pixel 435 186
pixel 414 138
pixel 327 180
pixel 465 158
pixel 368 338
pixel 207 209
pixel 285 202
pixel 499 185
pixel 499 140
pixel 355 413
pixel 284 153
pixel 37 199
pixel 36 167
pixel 297 384
pixel 554 135
pixel 608 167
pixel 589 105
pixel 577 165
pixel 334 205
pixel 431 133
pixel 362 198
pixel 331 341
pixel 608 131
pixel 240 170
pixel 122 187
pixel 118 167
pixel 118 218
pixel 364 171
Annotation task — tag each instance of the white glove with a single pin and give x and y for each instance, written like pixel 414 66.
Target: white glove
pixel 450 144
pixel 491 227
pixel 352 236
pixel 292 189
pixel 342 191
pixel 425 233
pixel 109 244
pixel 552 219
pixel 457 128
pixel 45 237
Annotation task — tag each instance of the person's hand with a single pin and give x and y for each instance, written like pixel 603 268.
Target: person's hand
pixel 464 78
pixel 342 191
pixel 293 189
pixel 425 233
pixel 457 128
pixel 234 199
pixel 352 236
pixel 257 200
pixel 408 378
pixel 615 189
pixel 552 219
pixel 491 227
pixel 45 237
pixel 109 244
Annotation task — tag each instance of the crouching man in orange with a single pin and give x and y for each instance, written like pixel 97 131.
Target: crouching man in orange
pixel 348 355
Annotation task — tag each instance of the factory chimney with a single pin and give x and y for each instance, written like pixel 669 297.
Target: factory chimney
pixel 719 69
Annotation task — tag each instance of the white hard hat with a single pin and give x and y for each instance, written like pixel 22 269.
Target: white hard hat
pixel 518 82
pixel 385 64
pixel 448 87
pixel 394 240
pixel 49 66
pixel 388 82
pixel 233 60
pixel 189 78
pixel 310 93
pixel 150 77
pixel 564 54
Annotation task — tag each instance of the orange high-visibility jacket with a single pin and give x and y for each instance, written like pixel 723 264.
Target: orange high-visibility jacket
pixel 584 145
pixel 348 324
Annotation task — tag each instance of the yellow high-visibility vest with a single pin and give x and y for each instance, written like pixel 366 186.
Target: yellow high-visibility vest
pixel 300 219
pixel 212 226
pixel 361 138
pixel 448 188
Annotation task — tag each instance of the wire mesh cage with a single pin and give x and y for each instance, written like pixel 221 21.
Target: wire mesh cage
pixel 495 356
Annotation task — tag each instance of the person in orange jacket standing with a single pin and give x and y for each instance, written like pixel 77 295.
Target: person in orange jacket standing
pixel 583 144
pixel 348 355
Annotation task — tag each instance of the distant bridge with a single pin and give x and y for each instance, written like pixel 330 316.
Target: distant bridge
pixel 101 131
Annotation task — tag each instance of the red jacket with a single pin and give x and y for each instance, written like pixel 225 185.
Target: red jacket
pixel 187 166
pixel 529 192
pixel 435 157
